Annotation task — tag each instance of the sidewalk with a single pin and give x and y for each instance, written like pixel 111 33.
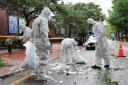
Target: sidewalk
pixel 17 56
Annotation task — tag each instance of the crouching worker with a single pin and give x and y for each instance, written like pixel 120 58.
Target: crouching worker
pixel 69 51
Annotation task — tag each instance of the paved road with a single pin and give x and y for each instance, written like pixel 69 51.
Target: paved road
pixel 83 74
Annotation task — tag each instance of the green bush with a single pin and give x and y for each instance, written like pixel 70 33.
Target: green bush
pixel 2 43
pixel 1 63
pixel 14 44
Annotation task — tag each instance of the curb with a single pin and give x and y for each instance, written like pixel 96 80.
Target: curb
pixel 4 75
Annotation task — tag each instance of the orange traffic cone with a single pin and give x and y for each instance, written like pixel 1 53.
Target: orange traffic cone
pixel 120 50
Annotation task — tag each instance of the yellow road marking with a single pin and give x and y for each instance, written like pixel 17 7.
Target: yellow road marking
pixel 15 82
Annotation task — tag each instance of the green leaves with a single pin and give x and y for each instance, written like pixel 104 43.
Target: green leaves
pixel 74 16
pixel 28 9
pixel 107 80
pixel 119 16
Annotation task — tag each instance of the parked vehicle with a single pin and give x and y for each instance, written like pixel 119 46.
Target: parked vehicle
pixel 90 43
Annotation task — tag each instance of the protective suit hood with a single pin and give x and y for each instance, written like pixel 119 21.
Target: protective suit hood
pixel 46 12
pixel 22 27
pixel 91 21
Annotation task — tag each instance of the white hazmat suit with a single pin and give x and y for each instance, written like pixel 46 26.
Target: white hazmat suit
pixel 26 33
pixel 101 42
pixel 40 38
pixel 67 49
pixel 31 59
pixel 40 31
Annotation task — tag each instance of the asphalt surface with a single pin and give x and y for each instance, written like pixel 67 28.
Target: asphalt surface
pixel 82 74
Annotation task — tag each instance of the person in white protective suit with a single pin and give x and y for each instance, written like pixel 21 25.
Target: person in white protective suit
pixel 67 49
pixel 31 59
pixel 41 40
pixel 40 31
pixel 101 44
pixel 70 52
pixel 26 33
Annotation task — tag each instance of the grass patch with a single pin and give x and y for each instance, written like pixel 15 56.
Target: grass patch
pixel 108 81
pixel 1 63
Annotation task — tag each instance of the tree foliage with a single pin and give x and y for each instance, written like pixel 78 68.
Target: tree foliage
pixel 68 16
pixel 75 16
pixel 28 9
pixel 119 16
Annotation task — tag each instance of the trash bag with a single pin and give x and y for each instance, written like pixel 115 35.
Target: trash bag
pixel 31 59
pixel 77 57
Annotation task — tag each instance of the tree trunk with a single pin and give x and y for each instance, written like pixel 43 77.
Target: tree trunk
pixel 27 22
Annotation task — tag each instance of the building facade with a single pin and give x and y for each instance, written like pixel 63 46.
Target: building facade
pixel 3 23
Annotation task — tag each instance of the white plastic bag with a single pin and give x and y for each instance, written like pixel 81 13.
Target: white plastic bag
pixel 31 59
pixel 77 57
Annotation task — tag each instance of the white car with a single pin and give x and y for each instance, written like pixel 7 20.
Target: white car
pixel 90 43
